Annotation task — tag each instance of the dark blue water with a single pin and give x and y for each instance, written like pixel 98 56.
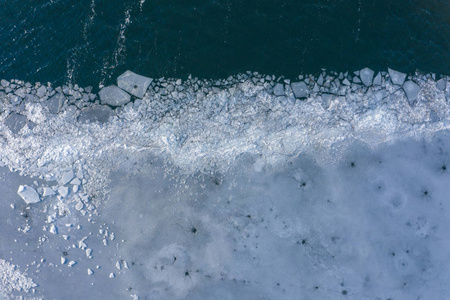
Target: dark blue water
pixel 90 42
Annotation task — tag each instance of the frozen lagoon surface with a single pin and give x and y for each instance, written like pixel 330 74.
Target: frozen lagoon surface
pixel 332 186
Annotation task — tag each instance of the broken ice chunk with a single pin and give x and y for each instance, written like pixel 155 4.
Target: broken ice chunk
pixel 41 91
pixel 95 113
pixel 55 103
pixel 278 90
pixel 63 260
pixel 15 122
pixel 90 272
pixel 300 89
pixel 28 194
pixel 88 252
pixel 112 275
pixel 320 80
pixel 63 191
pixel 76 181
pixel 79 205
pixel 47 192
pixel 53 229
pixel 441 84
pixel 356 80
pixel 366 75
pixel 114 96
pixel 377 79
pixel 72 263
pixel 67 177
pixel 397 77
pixel 412 89
pixel 134 84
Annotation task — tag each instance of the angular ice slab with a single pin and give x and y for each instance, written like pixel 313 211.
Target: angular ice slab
pixel 98 113
pixel 300 89
pixel 441 84
pixel 55 103
pixel 28 194
pixel 133 83
pixel 278 90
pixel 397 77
pixel 16 122
pixel 366 75
pixel 114 96
pixel 377 79
pixel 41 91
pixel 412 90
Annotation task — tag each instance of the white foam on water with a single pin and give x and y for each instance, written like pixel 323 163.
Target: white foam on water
pixel 141 5
pixel 120 50
pixel 89 21
pixel 70 65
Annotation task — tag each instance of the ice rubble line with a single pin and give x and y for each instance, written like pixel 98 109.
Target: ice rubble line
pixel 11 279
pixel 199 122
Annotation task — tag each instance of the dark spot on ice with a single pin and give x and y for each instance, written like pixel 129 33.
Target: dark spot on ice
pixel 186 273
pixel 352 164
pixel 135 86
pixel 129 288
pixel 194 230
pixel 249 216
pixel 65 253
pixel 25 215
pixel 393 253
pixel 334 239
pixel 344 292
pixel 217 181
pixel 316 287
pixel 444 168
pixel 425 193
pixel 303 242
pixel 278 284
pixel 303 184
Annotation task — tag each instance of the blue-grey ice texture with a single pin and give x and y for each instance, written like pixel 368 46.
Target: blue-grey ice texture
pixel 333 186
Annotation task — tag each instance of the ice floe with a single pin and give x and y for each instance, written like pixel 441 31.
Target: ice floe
pixel 114 96
pixel 412 90
pixel 28 194
pixel 300 89
pixel 397 77
pixel 133 83
pixel 366 75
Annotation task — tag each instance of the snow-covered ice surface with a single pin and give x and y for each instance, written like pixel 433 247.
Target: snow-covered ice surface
pixel 232 189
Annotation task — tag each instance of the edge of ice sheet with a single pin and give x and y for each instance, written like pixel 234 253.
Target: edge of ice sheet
pixel 202 125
